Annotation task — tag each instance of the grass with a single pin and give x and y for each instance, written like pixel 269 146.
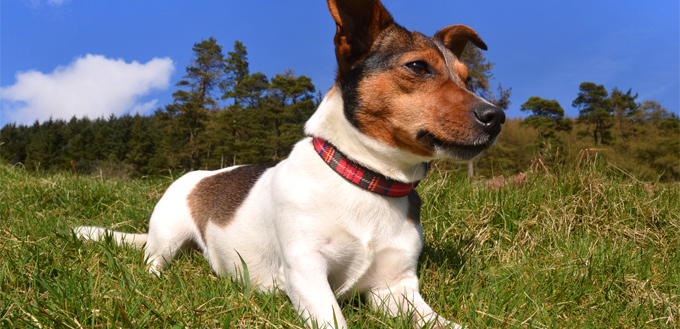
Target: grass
pixel 594 248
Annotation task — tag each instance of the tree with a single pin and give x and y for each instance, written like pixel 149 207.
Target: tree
pixel 244 88
pixel 185 120
pixel 547 116
pixel 46 146
pixel 291 104
pixel 204 73
pixel 13 143
pixel 658 148
pixel 624 108
pixel 595 109
pixel 80 147
pixel 142 144
pixel 241 132
pixel 236 69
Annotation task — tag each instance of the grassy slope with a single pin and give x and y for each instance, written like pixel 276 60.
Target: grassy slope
pixel 597 250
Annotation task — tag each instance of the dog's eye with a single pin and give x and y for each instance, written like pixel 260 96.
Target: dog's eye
pixel 418 67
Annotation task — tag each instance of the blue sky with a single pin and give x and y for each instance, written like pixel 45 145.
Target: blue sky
pixel 62 58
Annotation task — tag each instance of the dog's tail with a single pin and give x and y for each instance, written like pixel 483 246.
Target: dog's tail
pixel 92 233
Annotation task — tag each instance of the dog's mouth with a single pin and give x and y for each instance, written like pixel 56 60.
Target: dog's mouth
pixel 457 151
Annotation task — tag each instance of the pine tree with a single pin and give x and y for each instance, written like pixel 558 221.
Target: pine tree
pixel 236 70
pixel 102 144
pixel 291 104
pixel 595 109
pixel 203 75
pixel 184 122
pixel 46 147
pixel 245 89
pixel 244 122
pixel 78 148
pixel 120 138
pixel 142 144
pixel 624 108
pixel 13 142
pixel 547 116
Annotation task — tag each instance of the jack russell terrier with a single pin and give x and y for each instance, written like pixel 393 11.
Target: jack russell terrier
pixel 340 214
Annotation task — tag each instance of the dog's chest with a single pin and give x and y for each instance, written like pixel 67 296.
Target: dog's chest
pixel 371 243
pixel 363 237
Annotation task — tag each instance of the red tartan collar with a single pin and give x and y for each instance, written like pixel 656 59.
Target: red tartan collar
pixel 358 174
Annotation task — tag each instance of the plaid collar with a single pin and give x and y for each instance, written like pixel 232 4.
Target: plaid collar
pixel 358 174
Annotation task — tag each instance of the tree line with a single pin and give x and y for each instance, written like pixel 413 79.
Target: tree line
pixel 639 138
pixel 222 114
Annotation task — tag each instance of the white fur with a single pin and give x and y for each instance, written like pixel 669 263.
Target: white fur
pixel 305 229
pixel 329 123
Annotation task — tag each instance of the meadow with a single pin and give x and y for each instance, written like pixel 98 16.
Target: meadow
pixel 588 246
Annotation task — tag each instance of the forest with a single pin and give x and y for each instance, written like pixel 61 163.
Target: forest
pixel 223 114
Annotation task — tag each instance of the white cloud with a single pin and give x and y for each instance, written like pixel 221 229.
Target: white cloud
pixel 91 86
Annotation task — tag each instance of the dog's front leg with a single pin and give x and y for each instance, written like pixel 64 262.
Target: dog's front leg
pixel 308 288
pixel 403 299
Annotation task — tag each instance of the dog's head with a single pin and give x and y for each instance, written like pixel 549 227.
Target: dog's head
pixel 408 90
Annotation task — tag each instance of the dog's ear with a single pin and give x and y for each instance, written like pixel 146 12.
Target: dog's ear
pixel 456 37
pixel 358 23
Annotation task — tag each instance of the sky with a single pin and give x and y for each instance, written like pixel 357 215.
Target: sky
pixel 95 58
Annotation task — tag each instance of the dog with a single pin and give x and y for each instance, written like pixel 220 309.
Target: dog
pixel 340 215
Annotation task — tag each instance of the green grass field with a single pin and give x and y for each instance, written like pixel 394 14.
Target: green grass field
pixel 589 248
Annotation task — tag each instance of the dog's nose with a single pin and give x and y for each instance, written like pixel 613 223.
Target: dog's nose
pixel 490 117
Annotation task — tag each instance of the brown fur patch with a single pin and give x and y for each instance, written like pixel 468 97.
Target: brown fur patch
pixel 414 204
pixel 216 198
pixel 397 105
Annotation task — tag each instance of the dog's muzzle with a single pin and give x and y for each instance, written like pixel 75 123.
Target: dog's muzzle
pixel 490 118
